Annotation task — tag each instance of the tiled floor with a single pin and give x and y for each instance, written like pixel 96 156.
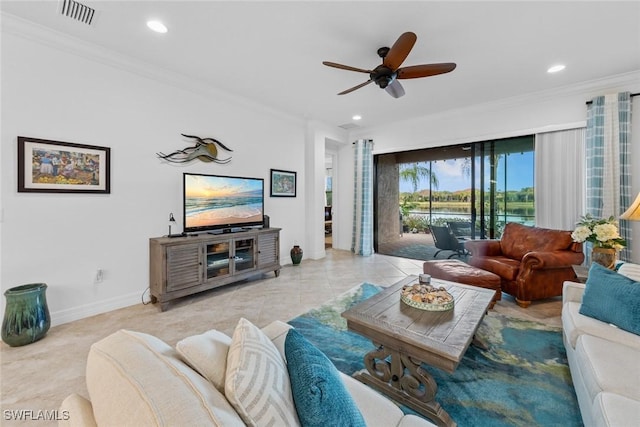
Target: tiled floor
pixel 40 375
pixel 407 239
pixel 419 246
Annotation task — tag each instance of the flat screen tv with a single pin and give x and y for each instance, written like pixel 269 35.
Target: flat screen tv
pixel 217 202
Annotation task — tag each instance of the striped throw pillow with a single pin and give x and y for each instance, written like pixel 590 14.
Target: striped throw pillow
pixel 257 382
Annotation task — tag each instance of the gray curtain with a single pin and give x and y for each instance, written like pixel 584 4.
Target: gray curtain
pixel 362 240
pixel 608 160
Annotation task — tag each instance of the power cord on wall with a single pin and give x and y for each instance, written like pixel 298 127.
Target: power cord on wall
pixel 142 297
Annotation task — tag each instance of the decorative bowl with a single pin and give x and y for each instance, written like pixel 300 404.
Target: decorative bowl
pixel 427 297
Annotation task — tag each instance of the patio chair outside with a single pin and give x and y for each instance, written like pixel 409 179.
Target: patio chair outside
pixel 446 241
pixel 460 229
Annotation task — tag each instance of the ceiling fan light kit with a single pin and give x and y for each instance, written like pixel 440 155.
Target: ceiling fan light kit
pixel 387 74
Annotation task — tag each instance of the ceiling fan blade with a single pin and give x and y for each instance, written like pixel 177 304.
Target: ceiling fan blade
pixel 426 70
pixel 355 87
pixel 345 67
pixel 395 89
pixel 399 51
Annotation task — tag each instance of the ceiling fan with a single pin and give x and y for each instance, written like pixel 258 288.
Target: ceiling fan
pixel 387 74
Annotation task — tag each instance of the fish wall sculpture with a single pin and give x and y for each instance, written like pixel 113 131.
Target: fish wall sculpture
pixel 205 150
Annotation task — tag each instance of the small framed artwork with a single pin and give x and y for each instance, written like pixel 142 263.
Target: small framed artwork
pixel 283 183
pixel 62 167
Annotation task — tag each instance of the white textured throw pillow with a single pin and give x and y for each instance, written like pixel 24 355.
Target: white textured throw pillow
pixel 257 382
pixel 207 354
pixel 630 270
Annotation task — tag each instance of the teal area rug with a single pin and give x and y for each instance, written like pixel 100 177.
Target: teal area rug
pixel 522 380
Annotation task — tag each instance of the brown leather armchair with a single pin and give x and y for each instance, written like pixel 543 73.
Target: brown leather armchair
pixel 532 262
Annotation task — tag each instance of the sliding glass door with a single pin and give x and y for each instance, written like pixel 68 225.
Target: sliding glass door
pixel 487 184
pixel 502 185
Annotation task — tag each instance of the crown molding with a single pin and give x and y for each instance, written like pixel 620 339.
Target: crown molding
pixel 28 30
pixel 587 89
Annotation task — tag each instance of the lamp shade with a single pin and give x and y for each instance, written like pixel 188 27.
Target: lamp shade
pixel 633 213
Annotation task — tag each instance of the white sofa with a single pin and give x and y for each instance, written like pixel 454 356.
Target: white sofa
pixel 604 361
pixel 136 379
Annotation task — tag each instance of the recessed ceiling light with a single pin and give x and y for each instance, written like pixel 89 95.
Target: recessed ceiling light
pixel 556 68
pixel 157 26
pixel 357 117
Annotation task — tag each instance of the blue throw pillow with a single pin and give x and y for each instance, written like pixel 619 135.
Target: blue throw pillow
pixel 319 394
pixel 612 298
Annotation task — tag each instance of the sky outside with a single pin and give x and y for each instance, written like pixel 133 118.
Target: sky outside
pixel 451 177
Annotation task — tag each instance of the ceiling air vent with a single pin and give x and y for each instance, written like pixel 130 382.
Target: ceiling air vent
pixel 77 11
pixel 349 126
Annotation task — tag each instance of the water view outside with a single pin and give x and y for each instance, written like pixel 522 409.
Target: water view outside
pixel 439 215
pixel 432 193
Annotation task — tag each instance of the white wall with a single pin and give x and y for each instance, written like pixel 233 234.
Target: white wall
pixel 321 139
pixel 343 216
pixel 314 171
pixel 61 239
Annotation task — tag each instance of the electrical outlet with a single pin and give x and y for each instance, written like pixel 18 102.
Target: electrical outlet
pixel 99 276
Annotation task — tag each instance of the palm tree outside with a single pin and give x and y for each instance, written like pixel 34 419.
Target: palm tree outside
pixel 414 172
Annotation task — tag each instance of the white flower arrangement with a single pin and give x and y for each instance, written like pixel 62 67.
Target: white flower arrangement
pixel 603 233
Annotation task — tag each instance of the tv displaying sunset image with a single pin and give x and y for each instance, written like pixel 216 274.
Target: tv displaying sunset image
pixel 212 201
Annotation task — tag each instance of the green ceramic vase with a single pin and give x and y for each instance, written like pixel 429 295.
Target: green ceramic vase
pixel 26 316
pixel 296 255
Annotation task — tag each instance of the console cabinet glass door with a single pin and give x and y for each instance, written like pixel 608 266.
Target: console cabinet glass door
pixel 218 256
pixel 244 254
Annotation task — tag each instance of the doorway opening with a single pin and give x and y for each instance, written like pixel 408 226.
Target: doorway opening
pixel 328 202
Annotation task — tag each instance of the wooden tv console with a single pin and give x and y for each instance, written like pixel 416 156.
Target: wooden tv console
pixel 181 266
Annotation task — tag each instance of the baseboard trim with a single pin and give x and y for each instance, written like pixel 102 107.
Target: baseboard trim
pixel 98 307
